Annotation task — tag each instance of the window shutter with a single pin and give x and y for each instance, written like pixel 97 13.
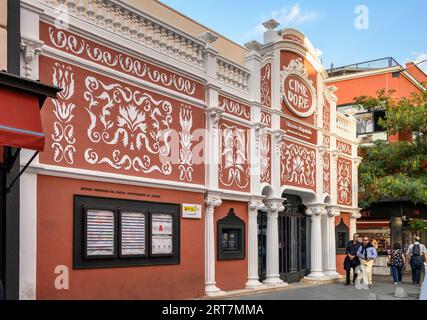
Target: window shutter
pixel 132 233
pixel 100 233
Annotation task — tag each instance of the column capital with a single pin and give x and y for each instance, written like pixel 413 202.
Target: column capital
pixel 255 205
pixel 213 201
pixel 333 212
pixel 274 206
pixel 315 211
pixel 355 214
pixel 30 50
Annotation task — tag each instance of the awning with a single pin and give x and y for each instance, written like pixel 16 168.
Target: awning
pixel 20 103
pixel 20 122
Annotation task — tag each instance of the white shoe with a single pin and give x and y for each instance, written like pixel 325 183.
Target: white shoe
pixel 395 283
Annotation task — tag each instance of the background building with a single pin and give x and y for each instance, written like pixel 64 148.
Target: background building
pixel 386 221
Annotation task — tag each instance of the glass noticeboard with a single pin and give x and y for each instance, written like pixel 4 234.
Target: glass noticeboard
pixel 230 240
pixel 161 234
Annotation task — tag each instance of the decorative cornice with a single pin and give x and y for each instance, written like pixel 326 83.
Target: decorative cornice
pixel 253 45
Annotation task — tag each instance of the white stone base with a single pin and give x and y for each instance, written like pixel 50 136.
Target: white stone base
pixel 332 274
pixel 253 284
pixel 212 290
pixel 274 282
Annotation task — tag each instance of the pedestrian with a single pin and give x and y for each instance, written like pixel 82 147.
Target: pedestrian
pixel 351 260
pixel 367 253
pixel 417 254
pixel 396 261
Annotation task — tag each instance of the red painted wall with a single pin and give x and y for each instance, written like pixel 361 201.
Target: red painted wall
pixel 368 86
pixel 232 274
pixel 341 257
pixel 55 247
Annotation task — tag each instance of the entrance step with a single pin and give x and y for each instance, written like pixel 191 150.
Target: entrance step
pixel 322 280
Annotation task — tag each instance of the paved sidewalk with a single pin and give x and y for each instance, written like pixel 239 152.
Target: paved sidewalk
pixel 383 290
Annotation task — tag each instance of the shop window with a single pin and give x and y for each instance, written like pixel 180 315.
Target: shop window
pixel 231 237
pixel 120 233
pixel 341 236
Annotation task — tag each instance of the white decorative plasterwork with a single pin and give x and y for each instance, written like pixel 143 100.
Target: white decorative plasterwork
pixel 326 173
pixel 185 140
pixel 30 49
pixel 266 85
pixel 315 211
pixel 344 182
pixel 126 64
pixel 297 69
pixel 266 118
pixel 265 146
pixel 234 158
pixel 211 202
pixel 333 212
pixel 235 108
pixel 63 130
pixel 274 206
pixel 129 120
pixel 298 165
pixel 355 214
pixel 255 205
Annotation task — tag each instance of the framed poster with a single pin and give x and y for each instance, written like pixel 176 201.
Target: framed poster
pixel 161 234
pixel 133 233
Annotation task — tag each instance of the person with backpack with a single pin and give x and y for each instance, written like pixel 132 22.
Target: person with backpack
pixel 367 254
pixel 417 254
pixel 396 261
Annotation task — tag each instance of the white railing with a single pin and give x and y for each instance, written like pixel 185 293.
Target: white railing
pixel 346 126
pixel 128 22
pixel 232 74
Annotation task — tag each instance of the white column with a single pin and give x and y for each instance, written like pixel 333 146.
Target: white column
pixel 354 215
pixel 253 277
pixel 210 284
pixel 329 247
pixel 316 213
pixel 274 206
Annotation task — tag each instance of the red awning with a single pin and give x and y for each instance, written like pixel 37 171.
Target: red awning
pixel 20 122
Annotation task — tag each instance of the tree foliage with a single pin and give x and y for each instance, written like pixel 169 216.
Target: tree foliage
pixel 397 169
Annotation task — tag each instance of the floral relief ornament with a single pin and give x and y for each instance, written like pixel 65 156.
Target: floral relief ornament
pixel 344 182
pixel 129 120
pixel 127 64
pixel 234 169
pixel 63 129
pixel 299 164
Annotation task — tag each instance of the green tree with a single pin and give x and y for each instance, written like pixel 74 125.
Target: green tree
pixel 397 169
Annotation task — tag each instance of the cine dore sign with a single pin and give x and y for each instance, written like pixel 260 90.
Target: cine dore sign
pixel 298 92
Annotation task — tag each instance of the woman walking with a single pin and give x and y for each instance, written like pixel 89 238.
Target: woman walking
pixel 396 262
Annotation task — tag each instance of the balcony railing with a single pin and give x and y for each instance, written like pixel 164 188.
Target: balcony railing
pixel 131 23
pixel 346 126
pixel 232 74
pixel 362 66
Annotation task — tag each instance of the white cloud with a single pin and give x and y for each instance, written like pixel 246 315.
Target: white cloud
pixel 417 57
pixel 286 16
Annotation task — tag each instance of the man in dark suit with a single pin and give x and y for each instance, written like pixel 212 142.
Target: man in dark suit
pixel 351 260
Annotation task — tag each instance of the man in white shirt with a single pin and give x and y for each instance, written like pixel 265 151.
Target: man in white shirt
pixel 417 254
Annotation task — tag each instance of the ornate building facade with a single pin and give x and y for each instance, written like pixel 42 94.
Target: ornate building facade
pixel 177 163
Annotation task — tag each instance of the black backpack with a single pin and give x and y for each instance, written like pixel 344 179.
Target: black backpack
pixel 416 250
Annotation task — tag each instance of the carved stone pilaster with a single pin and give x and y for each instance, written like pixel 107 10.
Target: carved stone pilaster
pixel 278 137
pixel 211 202
pixel 30 50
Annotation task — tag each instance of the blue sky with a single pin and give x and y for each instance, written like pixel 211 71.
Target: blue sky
pixel 396 28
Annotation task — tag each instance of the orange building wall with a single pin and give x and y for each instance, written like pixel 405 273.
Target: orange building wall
pixel 368 86
pixel 232 274
pixel 55 247
pixel 341 257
